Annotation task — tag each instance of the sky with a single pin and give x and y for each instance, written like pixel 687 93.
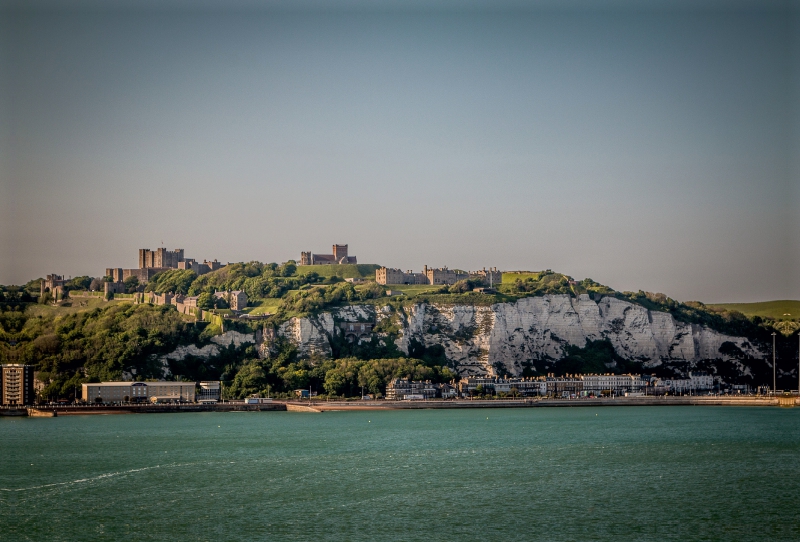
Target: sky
pixel 647 145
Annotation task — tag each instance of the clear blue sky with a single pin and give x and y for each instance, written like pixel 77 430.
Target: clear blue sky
pixel 649 145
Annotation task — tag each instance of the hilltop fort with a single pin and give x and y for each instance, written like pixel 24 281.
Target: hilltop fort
pixel 339 256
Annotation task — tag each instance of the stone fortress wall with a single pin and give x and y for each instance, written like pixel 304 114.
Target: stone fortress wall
pixel 437 276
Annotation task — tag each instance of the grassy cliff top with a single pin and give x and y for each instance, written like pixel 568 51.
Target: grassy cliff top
pixel 786 309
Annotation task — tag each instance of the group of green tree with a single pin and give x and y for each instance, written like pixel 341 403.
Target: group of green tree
pixel 344 377
pixel 93 345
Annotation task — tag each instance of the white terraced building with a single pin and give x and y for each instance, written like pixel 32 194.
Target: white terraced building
pixel 617 384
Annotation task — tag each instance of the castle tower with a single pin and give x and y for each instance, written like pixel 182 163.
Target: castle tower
pixel 340 253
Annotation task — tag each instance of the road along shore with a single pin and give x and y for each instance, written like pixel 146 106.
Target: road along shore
pixel 323 406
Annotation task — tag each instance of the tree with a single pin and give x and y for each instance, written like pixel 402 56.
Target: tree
pixel 174 280
pixel 79 283
pixel 288 269
pixel 131 284
pixel 334 381
pixel 97 284
pixel 205 301
pixel 460 287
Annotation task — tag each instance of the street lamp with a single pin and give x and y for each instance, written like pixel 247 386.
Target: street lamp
pixel 774 372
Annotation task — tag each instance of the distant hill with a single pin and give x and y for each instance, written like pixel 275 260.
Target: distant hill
pixel 786 309
pixel 345 271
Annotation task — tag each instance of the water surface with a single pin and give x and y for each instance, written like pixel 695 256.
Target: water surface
pixel 612 473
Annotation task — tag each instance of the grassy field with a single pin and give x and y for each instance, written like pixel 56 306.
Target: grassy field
pixel 346 271
pixel 266 306
pixel 412 289
pixel 780 310
pixel 78 304
pixel 511 278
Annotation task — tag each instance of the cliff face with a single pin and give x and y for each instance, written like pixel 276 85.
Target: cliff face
pixel 477 339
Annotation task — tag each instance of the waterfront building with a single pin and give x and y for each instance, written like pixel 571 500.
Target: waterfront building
pixel 403 388
pixel 612 383
pixel 138 392
pixel 16 385
pixel 209 391
pixel 516 387
pixel 701 380
pixel 697 381
pixel 563 386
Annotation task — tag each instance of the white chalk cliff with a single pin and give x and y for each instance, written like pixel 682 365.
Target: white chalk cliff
pixel 479 338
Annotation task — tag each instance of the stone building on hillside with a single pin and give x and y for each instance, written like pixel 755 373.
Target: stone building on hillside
pixel 160 258
pixel 53 284
pixel 110 288
pixel 339 256
pixel 437 276
pixel 237 299
pixel 199 268
pixel 388 275
pixel 443 275
pixel 144 275
pixel 490 277
pixel 152 262
pixel 355 332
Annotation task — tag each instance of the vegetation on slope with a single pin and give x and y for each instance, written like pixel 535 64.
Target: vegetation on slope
pixel 93 345
pixel 778 310
pixel 88 339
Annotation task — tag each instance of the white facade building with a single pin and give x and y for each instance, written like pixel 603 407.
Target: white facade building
pixel 617 384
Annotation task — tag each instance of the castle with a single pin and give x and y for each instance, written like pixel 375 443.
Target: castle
pixel 53 284
pixel 339 256
pixel 440 275
pixel 152 262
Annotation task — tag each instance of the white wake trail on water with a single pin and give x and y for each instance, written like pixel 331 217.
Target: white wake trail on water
pixel 95 478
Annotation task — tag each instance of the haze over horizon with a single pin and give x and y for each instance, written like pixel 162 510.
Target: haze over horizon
pixel 649 146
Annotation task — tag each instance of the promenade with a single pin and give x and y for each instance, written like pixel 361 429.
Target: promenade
pixel 323 406
pixel 766 401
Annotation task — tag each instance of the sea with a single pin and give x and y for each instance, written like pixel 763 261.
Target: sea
pixel 579 473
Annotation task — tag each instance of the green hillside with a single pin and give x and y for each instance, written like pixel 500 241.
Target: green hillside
pixel 345 271
pixel 786 309
pixel 510 277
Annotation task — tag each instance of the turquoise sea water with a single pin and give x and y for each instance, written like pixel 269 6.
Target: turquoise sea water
pixel 613 473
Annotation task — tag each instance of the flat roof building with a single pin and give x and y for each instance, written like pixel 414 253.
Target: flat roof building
pixel 16 385
pixel 138 392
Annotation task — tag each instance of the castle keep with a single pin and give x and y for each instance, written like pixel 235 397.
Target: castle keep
pixel 339 256
pixel 160 258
